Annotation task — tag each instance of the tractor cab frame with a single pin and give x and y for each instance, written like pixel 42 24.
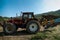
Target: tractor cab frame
pixel 27 15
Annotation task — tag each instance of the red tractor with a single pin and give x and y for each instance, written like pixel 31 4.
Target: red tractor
pixel 27 21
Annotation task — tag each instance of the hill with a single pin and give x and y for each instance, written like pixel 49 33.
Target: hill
pixel 54 13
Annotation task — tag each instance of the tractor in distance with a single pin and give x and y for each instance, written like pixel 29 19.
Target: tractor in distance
pixel 27 21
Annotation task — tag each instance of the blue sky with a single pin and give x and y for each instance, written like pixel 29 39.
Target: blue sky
pixel 11 7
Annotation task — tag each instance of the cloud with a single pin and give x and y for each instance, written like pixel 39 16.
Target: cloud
pixel 51 5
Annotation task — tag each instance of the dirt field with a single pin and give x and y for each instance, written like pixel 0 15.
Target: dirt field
pixel 20 35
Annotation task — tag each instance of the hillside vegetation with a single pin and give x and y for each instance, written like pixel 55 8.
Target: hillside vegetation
pixel 54 13
pixel 4 18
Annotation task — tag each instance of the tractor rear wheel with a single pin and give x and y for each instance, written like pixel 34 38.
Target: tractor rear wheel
pixel 9 28
pixel 33 26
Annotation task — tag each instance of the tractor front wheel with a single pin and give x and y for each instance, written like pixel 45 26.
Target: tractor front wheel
pixel 9 28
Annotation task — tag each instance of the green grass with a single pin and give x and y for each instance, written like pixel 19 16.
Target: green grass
pixel 53 35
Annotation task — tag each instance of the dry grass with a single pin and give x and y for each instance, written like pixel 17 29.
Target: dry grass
pixel 24 37
pixel 56 30
pixel 1 28
pixel 51 34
